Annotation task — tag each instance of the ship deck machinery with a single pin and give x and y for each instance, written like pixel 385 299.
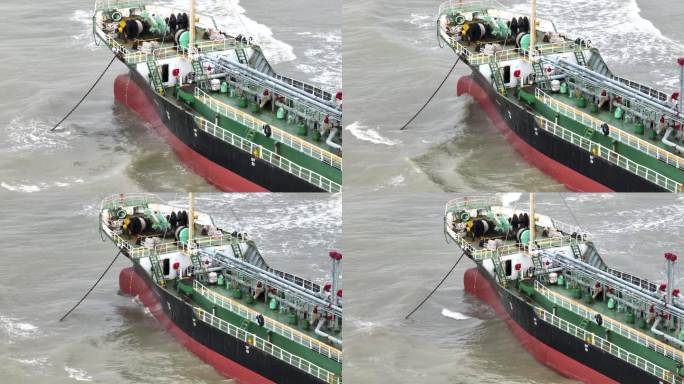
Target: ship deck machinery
pixel 218 294
pixel 227 87
pixel 571 310
pixel 568 92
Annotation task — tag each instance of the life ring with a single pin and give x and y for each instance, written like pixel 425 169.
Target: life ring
pixel 121 213
pixel 267 130
pixel 599 319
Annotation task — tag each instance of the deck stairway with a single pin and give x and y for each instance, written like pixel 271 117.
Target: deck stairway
pixel 241 55
pixel 496 74
pixel 499 270
pixel 540 75
pixel 154 74
pixel 235 245
pixel 156 270
pixel 200 77
pixel 579 55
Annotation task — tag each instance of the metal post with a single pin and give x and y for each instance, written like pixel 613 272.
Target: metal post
pixel 335 257
pixel 680 61
pixel 533 29
pixel 191 220
pixel 191 43
pixel 533 231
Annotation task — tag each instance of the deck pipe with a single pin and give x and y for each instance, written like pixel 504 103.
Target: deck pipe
pixel 597 77
pixel 327 336
pixel 666 140
pixel 658 332
pixel 330 141
pixel 637 291
pixel 281 86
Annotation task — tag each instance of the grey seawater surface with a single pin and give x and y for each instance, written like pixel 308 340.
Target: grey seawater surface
pixel 52 253
pixel 393 64
pixel 396 254
pixel 50 60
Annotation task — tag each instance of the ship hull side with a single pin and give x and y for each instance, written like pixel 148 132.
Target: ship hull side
pixel 576 168
pixel 230 356
pixel 549 345
pixel 221 164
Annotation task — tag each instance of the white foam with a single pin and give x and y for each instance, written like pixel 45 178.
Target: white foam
pixel 454 315
pixel 31 188
pixel 509 198
pixel 369 134
pixel 15 328
pixel 230 17
pixel 78 374
pixel 325 56
pixel 84 38
pixel 31 134
pixel 35 362
pixel 422 21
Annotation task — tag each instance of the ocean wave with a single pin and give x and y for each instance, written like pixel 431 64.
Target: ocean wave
pixel 326 56
pixel 78 374
pixel 422 21
pixel 16 328
pixel 84 38
pixel 31 188
pixel 30 135
pixel 369 134
pixel 454 315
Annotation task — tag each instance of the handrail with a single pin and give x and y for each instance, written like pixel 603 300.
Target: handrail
pixel 622 136
pixel 267 155
pixel 275 326
pixel 610 155
pixel 609 323
pixel 106 5
pixel 267 347
pixel 599 342
pixel 276 133
pixel 129 199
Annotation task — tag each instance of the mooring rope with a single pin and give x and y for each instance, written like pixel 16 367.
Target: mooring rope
pixel 433 95
pixel 437 287
pixel 91 288
pixel 86 95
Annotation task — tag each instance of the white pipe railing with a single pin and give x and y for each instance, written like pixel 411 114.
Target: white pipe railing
pixel 270 324
pixel 276 133
pixel 267 347
pixel 598 342
pixel 266 155
pixel 609 155
pixel 609 323
pixel 618 134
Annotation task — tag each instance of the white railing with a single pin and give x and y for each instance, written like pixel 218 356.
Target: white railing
pixel 276 133
pixel 622 354
pixel 267 347
pixel 609 323
pixel 270 324
pixel 468 5
pixel 106 5
pixel 609 155
pixel 618 134
pixel 266 155
pixel 129 200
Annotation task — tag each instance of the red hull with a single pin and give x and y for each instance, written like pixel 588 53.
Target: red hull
pixel 481 287
pixel 572 179
pixel 131 95
pixel 132 284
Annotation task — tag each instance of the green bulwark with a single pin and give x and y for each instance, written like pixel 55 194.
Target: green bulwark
pixel 251 327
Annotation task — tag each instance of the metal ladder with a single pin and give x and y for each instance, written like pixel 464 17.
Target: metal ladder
pixel 154 74
pixel 499 270
pixel 197 267
pixel 200 77
pixel 540 75
pixel 579 55
pixel 237 251
pixel 156 270
pixel 576 251
pixel 498 80
pixel 536 261
pixel 241 55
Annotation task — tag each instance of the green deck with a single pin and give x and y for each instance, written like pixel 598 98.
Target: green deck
pixel 631 153
pixel 276 315
pixel 591 326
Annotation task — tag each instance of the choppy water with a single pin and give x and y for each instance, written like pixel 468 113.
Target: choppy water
pixel 393 64
pixel 50 61
pixel 53 253
pixel 454 338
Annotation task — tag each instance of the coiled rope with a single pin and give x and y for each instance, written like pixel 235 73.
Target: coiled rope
pixel 91 288
pixel 433 95
pixel 86 95
pixel 437 287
